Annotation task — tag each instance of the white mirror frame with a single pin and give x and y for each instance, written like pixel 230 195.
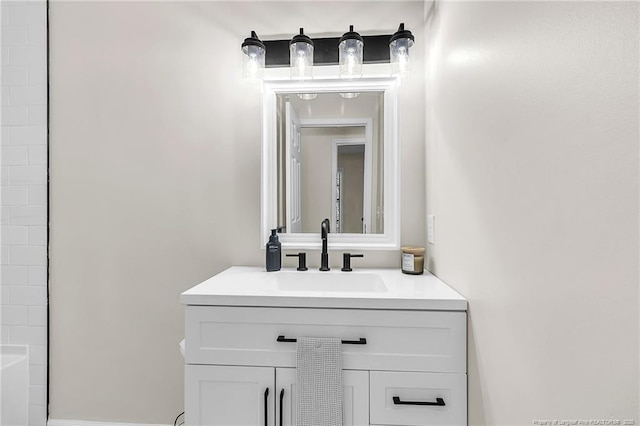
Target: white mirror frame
pixel 390 239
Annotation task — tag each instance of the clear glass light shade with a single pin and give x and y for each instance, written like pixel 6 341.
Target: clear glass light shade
pixel 301 59
pixel 399 55
pixel 253 62
pixel 350 57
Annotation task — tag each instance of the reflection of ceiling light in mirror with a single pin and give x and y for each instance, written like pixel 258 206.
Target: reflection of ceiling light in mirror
pixel 307 96
pixel 349 95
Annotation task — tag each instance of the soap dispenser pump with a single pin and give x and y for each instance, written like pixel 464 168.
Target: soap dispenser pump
pixel 274 252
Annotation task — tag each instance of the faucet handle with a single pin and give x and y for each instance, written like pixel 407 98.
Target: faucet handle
pixel 302 260
pixel 346 261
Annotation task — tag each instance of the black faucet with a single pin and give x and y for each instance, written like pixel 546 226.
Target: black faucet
pixel 324 258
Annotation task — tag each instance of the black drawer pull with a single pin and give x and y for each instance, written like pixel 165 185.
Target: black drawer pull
pixel 361 341
pixel 281 406
pixel 266 405
pixel 439 401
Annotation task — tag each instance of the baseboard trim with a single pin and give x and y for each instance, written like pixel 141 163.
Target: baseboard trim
pixel 65 422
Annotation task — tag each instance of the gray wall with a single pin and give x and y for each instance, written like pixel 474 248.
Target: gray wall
pixel 532 148
pixel 155 180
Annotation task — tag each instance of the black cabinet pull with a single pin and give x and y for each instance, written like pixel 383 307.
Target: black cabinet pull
pixel 266 407
pixel 281 405
pixel 397 401
pixel 361 341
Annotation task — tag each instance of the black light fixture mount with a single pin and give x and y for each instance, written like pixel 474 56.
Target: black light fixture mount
pixel 325 52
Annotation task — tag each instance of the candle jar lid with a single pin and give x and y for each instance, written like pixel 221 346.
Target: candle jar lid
pixel 418 251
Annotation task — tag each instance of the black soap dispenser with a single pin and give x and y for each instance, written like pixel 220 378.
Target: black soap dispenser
pixel 274 252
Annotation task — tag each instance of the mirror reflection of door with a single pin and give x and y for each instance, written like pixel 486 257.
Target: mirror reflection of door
pixel 293 170
pixel 352 190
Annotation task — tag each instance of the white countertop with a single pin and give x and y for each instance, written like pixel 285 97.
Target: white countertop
pixel 360 289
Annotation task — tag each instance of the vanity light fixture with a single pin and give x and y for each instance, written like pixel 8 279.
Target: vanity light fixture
pixel 301 57
pixel 399 44
pixel 351 47
pixel 302 53
pixel 253 59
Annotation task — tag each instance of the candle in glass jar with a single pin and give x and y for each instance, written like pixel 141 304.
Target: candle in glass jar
pixel 412 260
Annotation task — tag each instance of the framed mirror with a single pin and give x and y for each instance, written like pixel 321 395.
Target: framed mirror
pixel 330 150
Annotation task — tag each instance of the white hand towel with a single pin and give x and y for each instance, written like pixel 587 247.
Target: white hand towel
pixel 319 381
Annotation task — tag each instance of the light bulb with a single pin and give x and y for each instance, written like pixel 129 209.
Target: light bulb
pixel 300 65
pixel 403 60
pixel 253 66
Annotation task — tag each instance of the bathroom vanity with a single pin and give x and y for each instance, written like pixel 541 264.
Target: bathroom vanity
pixel 404 345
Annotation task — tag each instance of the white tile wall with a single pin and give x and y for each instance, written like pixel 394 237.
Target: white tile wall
pixel 23 193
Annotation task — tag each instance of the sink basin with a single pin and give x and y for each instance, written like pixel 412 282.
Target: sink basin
pixel 328 282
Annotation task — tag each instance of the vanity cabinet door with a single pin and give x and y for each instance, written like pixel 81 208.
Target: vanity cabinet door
pixel 355 397
pixel 226 396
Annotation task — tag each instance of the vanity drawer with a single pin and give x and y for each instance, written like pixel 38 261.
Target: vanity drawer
pixel 429 388
pixel 432 341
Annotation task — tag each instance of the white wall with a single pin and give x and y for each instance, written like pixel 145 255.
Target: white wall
pixel 532 148
pixel 23 159
pixel 155 179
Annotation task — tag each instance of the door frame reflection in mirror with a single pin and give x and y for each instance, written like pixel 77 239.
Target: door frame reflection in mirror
pixel 366 190
pixel 334 123
pixel 390 238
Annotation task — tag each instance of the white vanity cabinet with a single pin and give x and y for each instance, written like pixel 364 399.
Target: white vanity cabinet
pixel 401 366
